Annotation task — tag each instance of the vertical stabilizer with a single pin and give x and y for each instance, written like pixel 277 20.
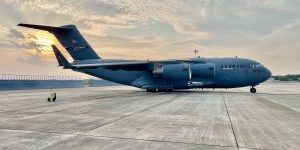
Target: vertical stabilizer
pixel 62 61
pixel 71 39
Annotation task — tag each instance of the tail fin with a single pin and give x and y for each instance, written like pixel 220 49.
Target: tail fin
pixel 62 61
pixel 71 39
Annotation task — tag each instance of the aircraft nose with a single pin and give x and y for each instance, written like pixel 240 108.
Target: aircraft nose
pixel 268 73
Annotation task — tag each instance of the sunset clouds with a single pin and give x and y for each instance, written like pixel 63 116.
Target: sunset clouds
pixel 264 30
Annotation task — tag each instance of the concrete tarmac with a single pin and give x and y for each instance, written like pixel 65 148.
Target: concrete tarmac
pixel 128 118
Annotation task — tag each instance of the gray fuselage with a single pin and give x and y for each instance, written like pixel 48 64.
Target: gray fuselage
pixel 205 73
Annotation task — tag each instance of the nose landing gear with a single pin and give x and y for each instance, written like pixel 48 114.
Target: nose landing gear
pixel 253 90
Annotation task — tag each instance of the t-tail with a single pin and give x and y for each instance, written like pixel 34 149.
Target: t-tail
pixel 71 39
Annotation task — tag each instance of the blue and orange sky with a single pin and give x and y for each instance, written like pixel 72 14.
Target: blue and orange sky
pixel 264 30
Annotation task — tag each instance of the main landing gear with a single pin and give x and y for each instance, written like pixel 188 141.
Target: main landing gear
pixel 253 90
pixel 159 90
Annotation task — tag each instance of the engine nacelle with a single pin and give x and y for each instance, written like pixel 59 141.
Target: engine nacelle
pixel 203 70
pixel 176 72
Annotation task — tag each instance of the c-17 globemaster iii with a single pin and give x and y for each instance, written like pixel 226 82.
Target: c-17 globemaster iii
pixel 166 75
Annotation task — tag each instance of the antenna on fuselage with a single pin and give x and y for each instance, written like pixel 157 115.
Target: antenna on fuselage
pixel 196 51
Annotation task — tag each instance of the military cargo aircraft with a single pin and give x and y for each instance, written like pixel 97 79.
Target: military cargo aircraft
pixel 154 76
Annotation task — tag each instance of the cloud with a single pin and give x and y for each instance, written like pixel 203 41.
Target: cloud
pixel 27 42
pixel 91 16
pixel 4 30
pixel 283 38
pixel 257 29
pixel 174 12
pixel 16 39
pixel 16 34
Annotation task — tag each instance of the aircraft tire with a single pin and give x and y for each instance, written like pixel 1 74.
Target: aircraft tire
pixel 169 90
pixel 148 90
pixel 253 90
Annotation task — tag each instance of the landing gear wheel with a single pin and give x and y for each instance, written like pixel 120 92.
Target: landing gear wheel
pixel 150 90
pixel 253 90
pixel 166 90
pixel 169 90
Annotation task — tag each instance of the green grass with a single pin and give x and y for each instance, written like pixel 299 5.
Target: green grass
pixel 289 77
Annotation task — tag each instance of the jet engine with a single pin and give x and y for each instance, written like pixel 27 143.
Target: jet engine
pixel 176 72
pixel 203 70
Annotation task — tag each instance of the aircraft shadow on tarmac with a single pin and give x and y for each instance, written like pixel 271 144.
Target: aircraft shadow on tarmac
pixel 199 92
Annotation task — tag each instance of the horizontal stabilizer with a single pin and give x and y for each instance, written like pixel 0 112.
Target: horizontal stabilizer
pixel 46 28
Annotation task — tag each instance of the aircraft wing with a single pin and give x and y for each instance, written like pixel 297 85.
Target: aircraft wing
pixel 112 64
pixel 126 65
pixel 129 64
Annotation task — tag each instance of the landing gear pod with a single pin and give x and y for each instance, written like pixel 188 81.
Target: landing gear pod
pixel 52 97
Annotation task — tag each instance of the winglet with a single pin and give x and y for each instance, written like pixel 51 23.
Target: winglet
pixel 62 61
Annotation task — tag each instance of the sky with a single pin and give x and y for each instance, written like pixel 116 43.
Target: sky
pixel 267 31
